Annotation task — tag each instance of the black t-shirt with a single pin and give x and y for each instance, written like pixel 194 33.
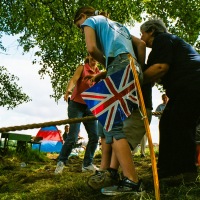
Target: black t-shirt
pixel 147 93
pixel 64 136
pixel 183 60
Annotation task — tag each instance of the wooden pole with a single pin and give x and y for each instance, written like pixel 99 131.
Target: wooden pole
pixel 146 123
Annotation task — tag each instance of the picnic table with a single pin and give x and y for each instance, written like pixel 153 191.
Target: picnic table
pixel 22 141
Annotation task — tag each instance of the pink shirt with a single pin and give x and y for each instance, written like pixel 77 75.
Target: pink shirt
pixel 83 85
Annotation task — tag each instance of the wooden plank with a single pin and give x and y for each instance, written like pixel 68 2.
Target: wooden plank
pixel 19 137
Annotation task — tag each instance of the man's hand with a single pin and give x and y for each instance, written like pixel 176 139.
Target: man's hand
pixel 66 96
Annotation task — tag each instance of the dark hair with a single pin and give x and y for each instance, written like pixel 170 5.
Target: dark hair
pixel 155 25
pixel 164 95
pixel 89 11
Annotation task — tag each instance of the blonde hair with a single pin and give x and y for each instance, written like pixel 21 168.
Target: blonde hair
pixel 89 11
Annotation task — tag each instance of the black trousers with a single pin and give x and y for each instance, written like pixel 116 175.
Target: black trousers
pixel 177 149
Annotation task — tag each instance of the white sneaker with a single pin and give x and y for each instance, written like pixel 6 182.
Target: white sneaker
pixel 91 167
pixel 59 167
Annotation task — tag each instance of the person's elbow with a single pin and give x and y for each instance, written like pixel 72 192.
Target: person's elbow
pixel 155 72
pixel 162 69
pixel 91 49
pixel 142 44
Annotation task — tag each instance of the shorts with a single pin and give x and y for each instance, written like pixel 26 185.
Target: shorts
pixel 120 62
pixel 132 129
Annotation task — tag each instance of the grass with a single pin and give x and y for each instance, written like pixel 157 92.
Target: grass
pixel 37 180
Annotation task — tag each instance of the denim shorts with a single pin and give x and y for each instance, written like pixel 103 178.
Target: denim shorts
pixel 132 129
pixel 120 62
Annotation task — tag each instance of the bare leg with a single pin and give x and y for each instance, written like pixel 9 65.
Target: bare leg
pixel 143 144
pixel 106 155
pixel 114 164
pixel 124 156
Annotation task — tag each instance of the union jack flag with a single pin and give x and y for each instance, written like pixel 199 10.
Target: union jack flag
pixel 113 99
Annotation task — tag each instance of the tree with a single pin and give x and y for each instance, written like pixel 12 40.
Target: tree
pixel 48 24
pixel 182 17
pixel 11 94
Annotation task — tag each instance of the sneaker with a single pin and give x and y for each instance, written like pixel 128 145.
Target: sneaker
pixel 91 167
pixel 103 179
pixel 59 167
pixel 125 186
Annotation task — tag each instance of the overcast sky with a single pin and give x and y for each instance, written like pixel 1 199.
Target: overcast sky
pixel 42 108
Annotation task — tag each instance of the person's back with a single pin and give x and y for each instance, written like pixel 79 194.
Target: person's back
pixel 104 26
pixel 184 63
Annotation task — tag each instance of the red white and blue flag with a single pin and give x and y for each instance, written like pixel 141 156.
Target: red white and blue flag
pixel 113 99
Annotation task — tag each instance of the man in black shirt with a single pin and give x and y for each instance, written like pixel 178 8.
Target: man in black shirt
pixel 176 65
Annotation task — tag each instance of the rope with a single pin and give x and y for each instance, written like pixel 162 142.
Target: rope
pixel 54 123
pixel 157 113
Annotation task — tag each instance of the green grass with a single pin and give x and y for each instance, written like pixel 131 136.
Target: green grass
pixel 37 180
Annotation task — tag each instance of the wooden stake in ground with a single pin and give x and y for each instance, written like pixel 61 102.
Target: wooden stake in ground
pixel 146 123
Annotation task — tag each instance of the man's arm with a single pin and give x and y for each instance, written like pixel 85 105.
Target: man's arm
pixel 96 78
pixel 91 44
pixel 140 48
pixel 73 81
pixel 100 76
pixel 155 72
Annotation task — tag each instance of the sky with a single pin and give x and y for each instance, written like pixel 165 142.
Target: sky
pixel 42 108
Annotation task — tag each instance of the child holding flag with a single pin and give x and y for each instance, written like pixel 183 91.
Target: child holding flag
pixel 110 43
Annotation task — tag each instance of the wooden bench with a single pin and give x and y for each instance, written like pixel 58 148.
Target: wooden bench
pixel 21 139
